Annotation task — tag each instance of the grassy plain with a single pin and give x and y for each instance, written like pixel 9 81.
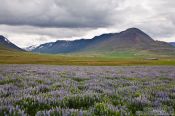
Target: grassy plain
pixel 101 59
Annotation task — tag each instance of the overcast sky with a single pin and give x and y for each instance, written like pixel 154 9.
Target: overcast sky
pixel 30 22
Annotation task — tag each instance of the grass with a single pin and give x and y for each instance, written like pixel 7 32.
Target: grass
pixel 102 59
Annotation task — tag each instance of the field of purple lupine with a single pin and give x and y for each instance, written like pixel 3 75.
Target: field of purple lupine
pixel 41 90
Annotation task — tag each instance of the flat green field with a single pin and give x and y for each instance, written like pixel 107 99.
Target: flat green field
pixel 94 59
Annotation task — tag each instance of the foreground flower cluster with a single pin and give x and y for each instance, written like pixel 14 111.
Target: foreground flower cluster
pixel 27 90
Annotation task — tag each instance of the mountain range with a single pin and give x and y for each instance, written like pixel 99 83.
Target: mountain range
pixel 131 38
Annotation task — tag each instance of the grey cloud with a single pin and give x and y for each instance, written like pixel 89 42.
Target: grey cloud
pixel 55 33
pixel 58 13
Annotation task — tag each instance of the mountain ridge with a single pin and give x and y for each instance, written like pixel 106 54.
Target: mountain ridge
pixel 132 38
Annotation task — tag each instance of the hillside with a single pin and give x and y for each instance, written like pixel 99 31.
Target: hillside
pixel 130 39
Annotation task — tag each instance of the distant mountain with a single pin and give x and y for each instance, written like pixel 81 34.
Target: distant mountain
pixel 61 46
pixel 172 43
pixel 132 38
pixel 6 44
pixel 30 48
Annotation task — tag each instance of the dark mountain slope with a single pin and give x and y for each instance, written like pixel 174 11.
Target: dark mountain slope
pixel 70 46
pixel 172 43
pixel 5 44
pixel 61 46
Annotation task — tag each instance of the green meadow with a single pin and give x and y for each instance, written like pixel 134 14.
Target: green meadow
pixel 95 59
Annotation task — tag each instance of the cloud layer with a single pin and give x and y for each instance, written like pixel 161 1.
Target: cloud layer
pixel 58 13
pixel 39 21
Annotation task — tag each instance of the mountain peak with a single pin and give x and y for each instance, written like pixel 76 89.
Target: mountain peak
pixel 2 37
pixel 135 35
pixel 134 30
